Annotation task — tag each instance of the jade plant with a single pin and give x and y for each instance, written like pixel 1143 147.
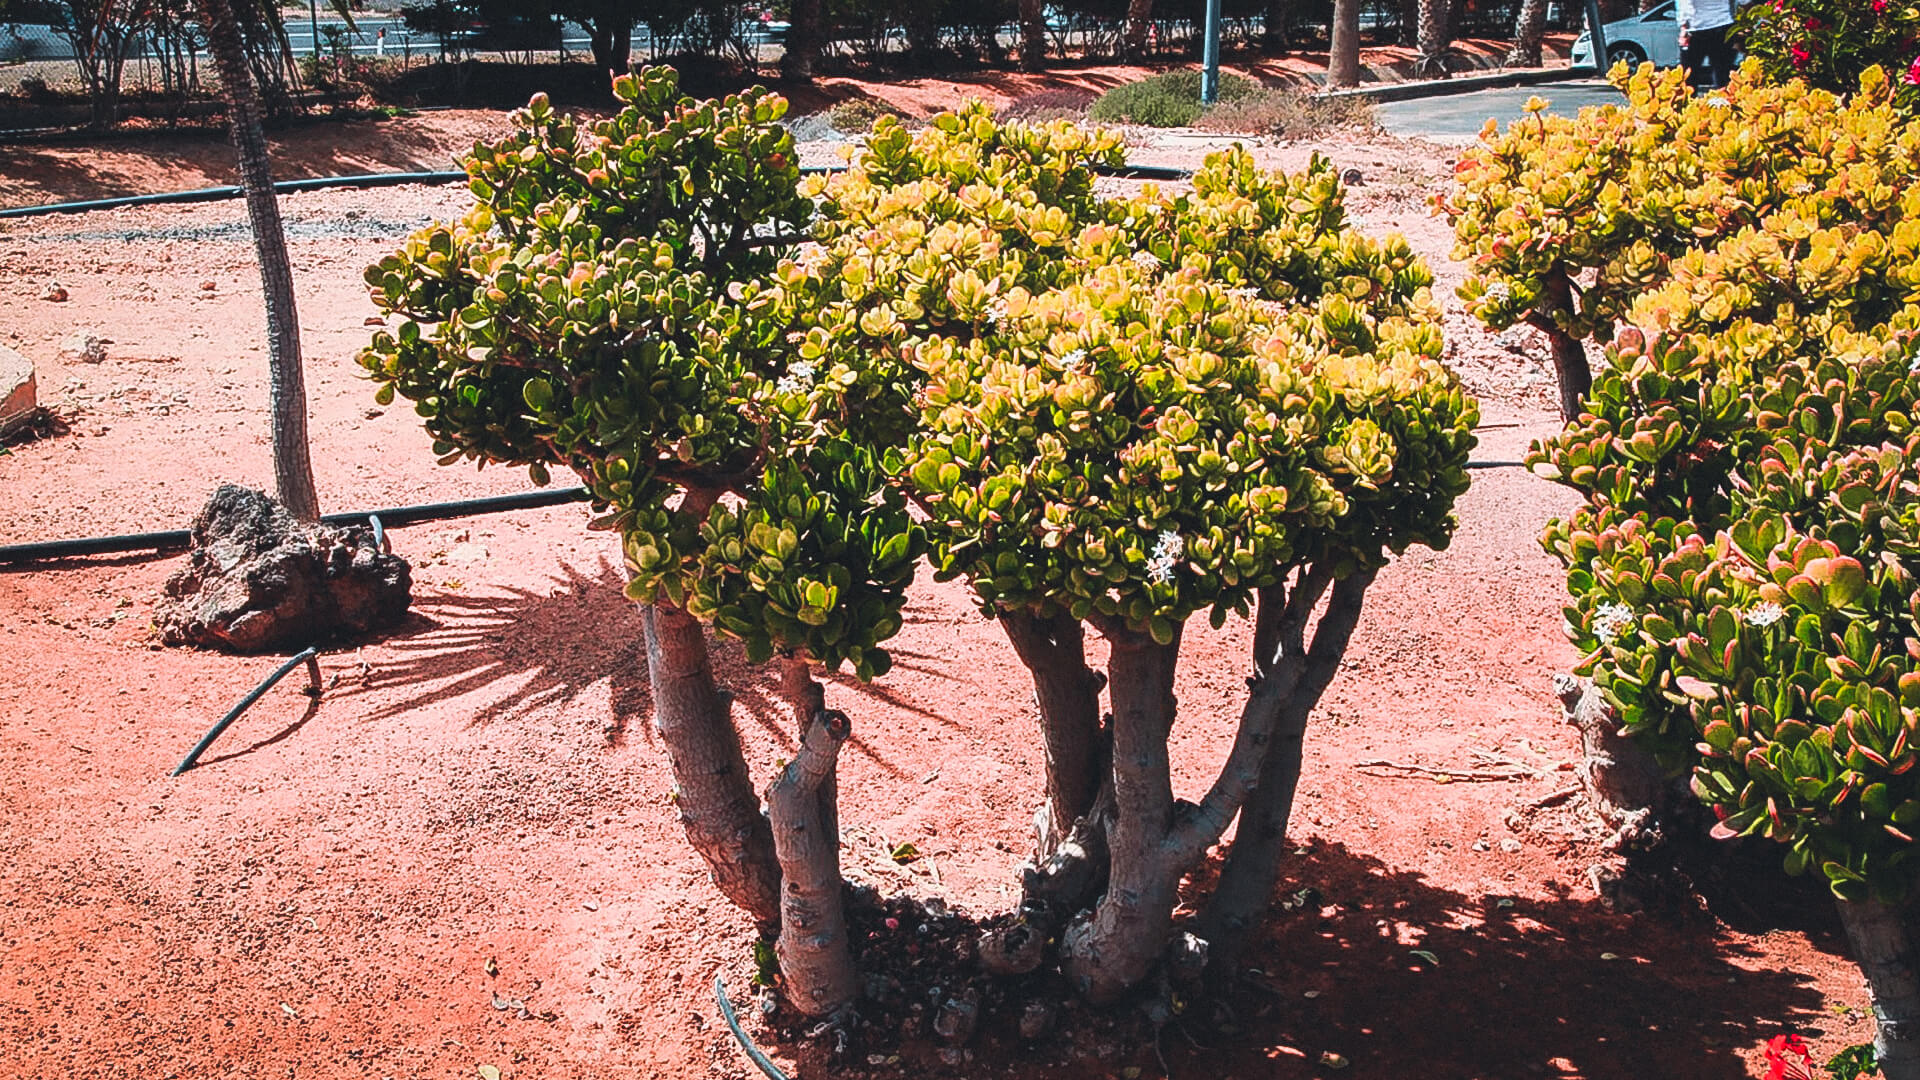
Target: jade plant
pixel 1126 412
pixel 602 309
pixel 1742 570
pixel 1566 220
pixel 1108 411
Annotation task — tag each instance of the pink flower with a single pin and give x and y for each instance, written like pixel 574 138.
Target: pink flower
pixel 1913 72
pixel 1801 56
pixel 1879 7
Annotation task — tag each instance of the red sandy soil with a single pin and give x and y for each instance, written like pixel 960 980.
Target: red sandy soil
pixel 327 894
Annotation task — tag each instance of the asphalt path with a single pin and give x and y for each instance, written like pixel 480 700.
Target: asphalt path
pixel 1458 118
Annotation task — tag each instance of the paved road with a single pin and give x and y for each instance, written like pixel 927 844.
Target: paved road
pixel 1458 118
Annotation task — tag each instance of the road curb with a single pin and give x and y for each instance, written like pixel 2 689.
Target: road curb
pixel 1464 84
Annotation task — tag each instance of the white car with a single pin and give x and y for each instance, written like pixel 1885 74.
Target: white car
pixel 1651 35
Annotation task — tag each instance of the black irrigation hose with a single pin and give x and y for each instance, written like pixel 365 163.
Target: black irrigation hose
pixel 390 518
pixel 308 655
pixel 754 1054
pixel 230 192
pixel 373 180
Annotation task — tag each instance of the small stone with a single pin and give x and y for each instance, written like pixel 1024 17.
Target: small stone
pixel 466 553
pixel 1480 845
pixel 373 320
pixel 19 395
pixel 955 1020
pixel 1035 1019
pixel 208 286
pixel 374 414
pixel 1353 178
pixel 85 347
pixel 1509 844
pixel 55 293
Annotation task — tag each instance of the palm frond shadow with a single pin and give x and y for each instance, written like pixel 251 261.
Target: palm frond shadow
pixel 528 649
pixel 525 649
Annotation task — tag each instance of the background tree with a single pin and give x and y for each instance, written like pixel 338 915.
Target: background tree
pixel 804 38
pixel 1343 56
pixel 1529 28
pixel 1433 37
pixel 1139 25
pixel 287 393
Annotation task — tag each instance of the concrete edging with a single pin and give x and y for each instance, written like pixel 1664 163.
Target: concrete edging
pixel 1464 84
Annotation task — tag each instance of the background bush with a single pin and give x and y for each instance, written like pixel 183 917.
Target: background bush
pixel 1171 99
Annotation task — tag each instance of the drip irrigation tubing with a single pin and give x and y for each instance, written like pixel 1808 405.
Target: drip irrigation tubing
pixel 309 656
pixel 373 180
pixel 389 518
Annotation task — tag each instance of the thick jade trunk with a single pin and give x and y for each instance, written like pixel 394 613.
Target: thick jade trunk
pixel 1882 936
pixel 816 956
pixel 718 806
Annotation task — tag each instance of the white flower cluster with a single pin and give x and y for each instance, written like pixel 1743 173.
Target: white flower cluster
pixel 1166 553
pixel 797 380
pixel 1146 260
pixel 997 314
pixel 1074 359
pixel 1764 613
pixel 1499 292
pixel 1610 620
pixel 1245 292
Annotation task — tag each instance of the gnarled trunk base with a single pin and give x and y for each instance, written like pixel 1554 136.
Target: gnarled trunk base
pixel 1883 945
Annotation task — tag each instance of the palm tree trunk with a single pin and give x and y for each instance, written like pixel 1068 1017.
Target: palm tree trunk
pixel 1433 18
pixel 1033 35
pixel 803 40
pixel 1273 28
pixel 292 470
pixel 1343 60
pixel 1139 21
pixel 1527 32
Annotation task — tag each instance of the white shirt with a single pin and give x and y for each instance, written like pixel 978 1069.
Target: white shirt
pixel 1704 14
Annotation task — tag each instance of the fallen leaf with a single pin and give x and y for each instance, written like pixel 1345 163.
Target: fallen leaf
pixel 1609 956
pixel 491 967
pixel 489 1072
pixel 288 1009
pixel 904 853
pixel 1428 956
pixel 1332 1060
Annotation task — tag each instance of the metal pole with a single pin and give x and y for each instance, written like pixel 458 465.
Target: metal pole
pixel 1598 33
pixel 1210 56
pixel 313 20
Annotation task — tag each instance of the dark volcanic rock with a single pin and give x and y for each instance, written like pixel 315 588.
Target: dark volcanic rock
pixel 258 580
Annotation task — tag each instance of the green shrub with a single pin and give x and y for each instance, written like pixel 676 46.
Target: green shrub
pixel 1287 114
pixel 856 116
pixel 1170 99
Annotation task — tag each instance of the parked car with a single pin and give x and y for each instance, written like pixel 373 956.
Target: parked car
pixel 1651 35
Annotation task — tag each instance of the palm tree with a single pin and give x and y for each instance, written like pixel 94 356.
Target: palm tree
pixel 1527 32
pixel 803 40
pixel 1139 21
pixel 292 469
pixel 1033 35
pixel 1433 41
pixel 1343 57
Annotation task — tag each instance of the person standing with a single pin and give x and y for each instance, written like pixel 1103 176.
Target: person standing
pixel 1704 49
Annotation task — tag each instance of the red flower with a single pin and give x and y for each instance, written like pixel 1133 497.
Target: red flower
pixel 1781 1049
pixel 1813 23
pixel 1913 72
pixel 1879 7
pixel 1801 56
